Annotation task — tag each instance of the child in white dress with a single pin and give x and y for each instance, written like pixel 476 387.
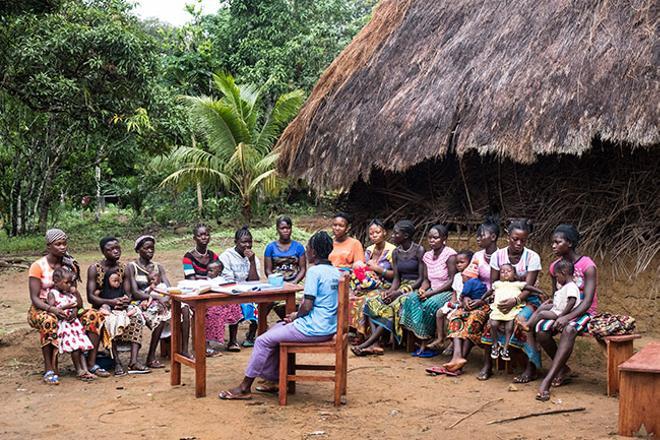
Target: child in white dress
pixel 565 299
pixel 505 288
pixel 70 332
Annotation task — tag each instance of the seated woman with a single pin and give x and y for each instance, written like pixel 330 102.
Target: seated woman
pixel 565 240
pixel 138 275
pixel 467 322
pixel 346 250
pixel 240 264
pixel 315 321
pixel 44 317
pixel 286 257
pixel 381 313
pixel 527 265
pixel 196 267
pixel 100 293
pixel 370 279
pixel 418 312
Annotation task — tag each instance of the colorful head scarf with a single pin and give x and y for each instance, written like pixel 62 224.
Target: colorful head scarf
pixel 141 239
pixel 52 235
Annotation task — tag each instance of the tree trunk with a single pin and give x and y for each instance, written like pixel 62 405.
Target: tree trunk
pixel 200 205
pixel 246 211
pixel 97 179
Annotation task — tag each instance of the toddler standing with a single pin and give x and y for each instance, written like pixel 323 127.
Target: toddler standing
pixel 70 332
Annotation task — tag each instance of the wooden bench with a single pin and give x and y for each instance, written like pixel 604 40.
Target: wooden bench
pixel 639 401
pixel 617 349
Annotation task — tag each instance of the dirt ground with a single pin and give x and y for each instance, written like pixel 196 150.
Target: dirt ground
pixel 389 397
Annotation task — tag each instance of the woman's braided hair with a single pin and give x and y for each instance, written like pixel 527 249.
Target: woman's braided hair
pixel 321 243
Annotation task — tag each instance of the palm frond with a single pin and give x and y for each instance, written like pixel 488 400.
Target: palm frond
pixel 192 175
pixel 285 109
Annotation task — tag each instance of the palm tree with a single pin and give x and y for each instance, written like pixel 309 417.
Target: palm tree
pixel 238 135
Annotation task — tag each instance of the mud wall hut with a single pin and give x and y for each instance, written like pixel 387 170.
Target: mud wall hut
pixel 448 110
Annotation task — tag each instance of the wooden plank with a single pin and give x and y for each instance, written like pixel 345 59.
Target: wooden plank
pixel 307 378
pixel 638 403
pixel 181 359
pixel 200 350
pixel 307 367
pixel 622 338
pixel 647 360
pixel 311 349
pixel 175 367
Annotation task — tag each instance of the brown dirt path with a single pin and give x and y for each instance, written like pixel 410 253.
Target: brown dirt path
pixel 389 397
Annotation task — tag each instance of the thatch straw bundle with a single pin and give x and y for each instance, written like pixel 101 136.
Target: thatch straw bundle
pixel 515 78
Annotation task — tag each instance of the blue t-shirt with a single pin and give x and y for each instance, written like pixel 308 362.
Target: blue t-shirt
pixel 285 262
pixel 473 288
pixel 322 282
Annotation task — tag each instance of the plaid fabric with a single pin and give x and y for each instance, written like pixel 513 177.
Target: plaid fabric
pixel 607 324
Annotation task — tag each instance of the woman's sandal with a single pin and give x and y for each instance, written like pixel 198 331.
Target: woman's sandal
pixel 86 376
pixel 155 364
pixel 234 348
pixel 119 370
pixel 523 378
pixel 357 351
pixel 99 372
pixel 228 395
pixel 212 353
pixel 484 375
pixel 51 378
pixel 543 396
pixel 267 387
pixel 138 369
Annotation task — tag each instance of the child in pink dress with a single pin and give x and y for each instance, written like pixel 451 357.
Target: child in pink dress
pixel 70 332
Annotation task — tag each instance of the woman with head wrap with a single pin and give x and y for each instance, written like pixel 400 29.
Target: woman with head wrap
pixel 44 317
pixel 142 275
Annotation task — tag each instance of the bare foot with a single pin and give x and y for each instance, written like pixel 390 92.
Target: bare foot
pixel 455 364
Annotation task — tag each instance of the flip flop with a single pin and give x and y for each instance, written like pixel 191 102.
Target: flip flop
pixel 119 370
pixel 560 381
pixel 138 369
pixel 436 371
pixel 543 396
pixel 228 395
pixel 484 376
pixel 51 378
pixel 428 353
pixel 155 364
pixel 247 343
pixel 357 351
pixel 265 388
pixel 87 376
pixel 523 379
pixel 234 348
pixel 99 372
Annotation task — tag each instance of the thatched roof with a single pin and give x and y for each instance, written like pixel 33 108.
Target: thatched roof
pixel 516 78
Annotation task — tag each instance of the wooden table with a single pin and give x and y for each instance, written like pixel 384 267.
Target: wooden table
pixel 200 303
pixel 639 395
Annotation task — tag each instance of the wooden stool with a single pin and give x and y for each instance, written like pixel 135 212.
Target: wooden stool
pixel 617 350
pixel 639 400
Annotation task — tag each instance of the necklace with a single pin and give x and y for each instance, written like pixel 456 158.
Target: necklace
pixel 206 252
pixel 409 247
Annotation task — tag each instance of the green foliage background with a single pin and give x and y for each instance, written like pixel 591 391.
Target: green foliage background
pixel 86 84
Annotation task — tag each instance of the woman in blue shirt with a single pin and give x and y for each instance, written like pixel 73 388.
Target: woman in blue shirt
pixel 315 321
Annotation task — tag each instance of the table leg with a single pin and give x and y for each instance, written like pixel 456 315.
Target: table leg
pixel 200 350
pixel 290 307
pixel 175 367
pixel 262 311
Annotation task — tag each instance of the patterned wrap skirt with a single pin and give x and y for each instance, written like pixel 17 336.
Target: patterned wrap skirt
pixel 388 315
pixel 419 316
pixel 46 323
pixel 218 317
pixel 468 324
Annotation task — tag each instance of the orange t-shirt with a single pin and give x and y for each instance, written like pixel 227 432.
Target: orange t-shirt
pixel 42 270
pixel 346 253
